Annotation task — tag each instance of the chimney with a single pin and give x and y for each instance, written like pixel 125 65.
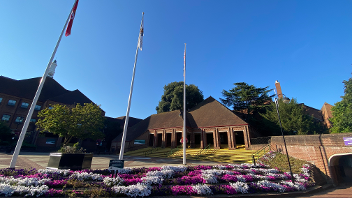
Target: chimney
pixel 278 89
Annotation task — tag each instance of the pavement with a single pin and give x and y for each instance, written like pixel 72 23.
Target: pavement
pixel 40 161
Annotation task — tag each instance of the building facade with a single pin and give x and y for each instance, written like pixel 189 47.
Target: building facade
pixel 208 124
pixel 16 96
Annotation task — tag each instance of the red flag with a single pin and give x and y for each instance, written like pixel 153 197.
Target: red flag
pixel 73 13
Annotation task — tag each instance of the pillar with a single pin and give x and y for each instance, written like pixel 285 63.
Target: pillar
pixel 163 143
pixel 202 139
pixel 155 139
pixel 229 139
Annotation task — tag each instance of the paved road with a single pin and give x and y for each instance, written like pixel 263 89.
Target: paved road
pixel 344 190
pixel 40 160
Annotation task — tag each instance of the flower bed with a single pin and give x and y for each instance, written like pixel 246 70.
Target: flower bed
pixel 142 182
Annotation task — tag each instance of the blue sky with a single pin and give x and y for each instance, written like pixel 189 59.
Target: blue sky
pixel 305 45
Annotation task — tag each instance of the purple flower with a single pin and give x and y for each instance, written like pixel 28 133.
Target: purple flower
pixel 183 190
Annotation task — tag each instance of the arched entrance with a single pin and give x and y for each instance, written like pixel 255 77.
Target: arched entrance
pixel 340 166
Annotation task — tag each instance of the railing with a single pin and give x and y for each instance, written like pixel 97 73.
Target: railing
pixel 261 152
pixel 205 149
pixel 172 151
pixel 151 151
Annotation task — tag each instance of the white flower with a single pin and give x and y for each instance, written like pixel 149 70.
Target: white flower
pixel 141 190
pixel 216 172
pixel 240 187
pixel 149 180
pixel 202 189
pixel 221 167
pixel 175 168
pixel 272 185
pixel 84 176
pixel 63 172
pixel 167 173
pixel 23 181
pixel 295 185
pixel 113 181
pixel 240 178
pixel 6 190
pixel 209 178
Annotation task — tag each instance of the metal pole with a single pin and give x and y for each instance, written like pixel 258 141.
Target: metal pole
pixel 283 137
pixel 122 149
pixel 184 107
pixel 35 100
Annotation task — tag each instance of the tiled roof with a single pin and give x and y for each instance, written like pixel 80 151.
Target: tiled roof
pixel 72 97
pixel 27 88
pixel 315 113
pixel 211 113
pixel 131 121
pixel 52 90
pixel 206 114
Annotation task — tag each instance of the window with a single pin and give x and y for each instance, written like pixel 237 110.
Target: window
pixel 11 102
pixel 24 105
pixel 19 119
pixel 5 117
pixel 37 107
pixel 0 100
pixel 33 120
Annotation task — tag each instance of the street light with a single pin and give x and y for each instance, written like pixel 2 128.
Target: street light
pixel 285 100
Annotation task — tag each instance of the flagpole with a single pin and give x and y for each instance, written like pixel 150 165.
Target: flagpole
pixel 139 45
pixel 35 100
pixel 184 107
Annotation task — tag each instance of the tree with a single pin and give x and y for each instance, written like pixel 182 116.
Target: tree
pixel 172 99
pixel 246 98
pixel 81 122
pixel 294 120
pixel 342 111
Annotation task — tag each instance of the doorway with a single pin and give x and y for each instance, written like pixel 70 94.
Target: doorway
pixel 151 139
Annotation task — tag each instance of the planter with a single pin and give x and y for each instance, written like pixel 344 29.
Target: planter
pixel 70 161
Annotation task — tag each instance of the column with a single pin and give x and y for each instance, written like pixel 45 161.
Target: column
pixel 202 139
pixel 155 143
pixel 163 143
pixel 229 142
pixel 173 139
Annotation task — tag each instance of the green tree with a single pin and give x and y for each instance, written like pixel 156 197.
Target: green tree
pixel 172 99
pixel 294 120
pixel 342 111
pixel 80 122
pixel 244 97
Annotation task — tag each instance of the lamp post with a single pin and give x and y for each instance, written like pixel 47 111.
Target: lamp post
pixel 285 100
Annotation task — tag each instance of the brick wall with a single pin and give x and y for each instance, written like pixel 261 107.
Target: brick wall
pixel 316 149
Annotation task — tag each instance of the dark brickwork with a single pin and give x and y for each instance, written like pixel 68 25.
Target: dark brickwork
pixel 320 150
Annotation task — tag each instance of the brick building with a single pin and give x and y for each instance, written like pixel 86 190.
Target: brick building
pixel 208 123
pixel 16 96
pixel 323 115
